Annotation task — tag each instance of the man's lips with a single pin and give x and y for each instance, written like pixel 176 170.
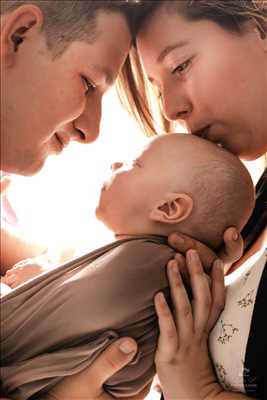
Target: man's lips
pixel 63 139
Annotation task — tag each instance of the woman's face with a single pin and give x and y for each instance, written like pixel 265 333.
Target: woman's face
pixel 212 79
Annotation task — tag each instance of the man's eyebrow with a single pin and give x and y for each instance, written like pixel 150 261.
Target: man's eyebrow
pixel 170 48
pixel 109 77
pixel 137 161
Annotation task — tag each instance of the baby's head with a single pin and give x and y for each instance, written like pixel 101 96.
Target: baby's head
pixel 178 183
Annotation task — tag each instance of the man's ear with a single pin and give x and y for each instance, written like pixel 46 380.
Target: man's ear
pixel 176 208
pixel 18 26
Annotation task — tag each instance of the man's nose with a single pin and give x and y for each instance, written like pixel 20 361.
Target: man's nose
pixel 87 125
pixel 115 166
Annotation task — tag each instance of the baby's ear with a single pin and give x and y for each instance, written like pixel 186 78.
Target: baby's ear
pixel 176 208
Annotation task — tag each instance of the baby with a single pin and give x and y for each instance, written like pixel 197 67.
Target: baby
pixel 179 183
pixel 58 323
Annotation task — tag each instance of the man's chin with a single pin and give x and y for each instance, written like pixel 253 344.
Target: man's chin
pixel 31 169
pixel 98 213
pixel 23 170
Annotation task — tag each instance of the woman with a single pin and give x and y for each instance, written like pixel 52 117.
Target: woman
pixel 207 62
pixel 88 384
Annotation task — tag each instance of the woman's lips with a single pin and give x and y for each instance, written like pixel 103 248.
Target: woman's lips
pixel 203 132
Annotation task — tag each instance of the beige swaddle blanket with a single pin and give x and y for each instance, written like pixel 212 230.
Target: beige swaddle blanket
pixel 57 324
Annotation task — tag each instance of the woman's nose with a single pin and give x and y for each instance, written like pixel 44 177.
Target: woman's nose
pixel 116 166
pixel 177 113
pixel 176 106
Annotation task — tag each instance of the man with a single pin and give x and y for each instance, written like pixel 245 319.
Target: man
pixel 57 60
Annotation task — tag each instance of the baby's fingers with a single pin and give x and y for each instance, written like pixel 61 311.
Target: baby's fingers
pixel 9 280
pixel 4 184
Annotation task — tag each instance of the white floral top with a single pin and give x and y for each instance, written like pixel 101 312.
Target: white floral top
pixel 238 342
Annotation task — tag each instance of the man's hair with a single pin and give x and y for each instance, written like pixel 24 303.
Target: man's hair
pixel 133 87
pixel 67 21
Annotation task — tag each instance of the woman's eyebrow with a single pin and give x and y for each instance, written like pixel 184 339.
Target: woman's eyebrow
pixel 170 48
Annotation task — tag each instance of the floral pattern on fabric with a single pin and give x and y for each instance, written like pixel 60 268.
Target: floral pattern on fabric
pixel 228 339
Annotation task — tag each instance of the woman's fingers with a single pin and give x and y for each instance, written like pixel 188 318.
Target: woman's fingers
pixel 182 243
pixel 168 340
pixel 201 302
pixel 233 246
pixel 217 293
pixel 182 306
pixel 183 268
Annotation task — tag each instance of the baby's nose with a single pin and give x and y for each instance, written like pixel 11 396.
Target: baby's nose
pixel 116 166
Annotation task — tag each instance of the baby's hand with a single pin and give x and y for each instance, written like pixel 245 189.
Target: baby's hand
pixel 24 271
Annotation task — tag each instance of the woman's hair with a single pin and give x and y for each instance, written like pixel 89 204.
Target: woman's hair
pixel 68 20
pixel 134 89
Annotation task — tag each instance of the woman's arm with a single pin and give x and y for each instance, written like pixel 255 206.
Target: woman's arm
pixel 182 358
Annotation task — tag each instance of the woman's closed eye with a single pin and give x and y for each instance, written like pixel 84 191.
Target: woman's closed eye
pixel 89 86
pixel 182 68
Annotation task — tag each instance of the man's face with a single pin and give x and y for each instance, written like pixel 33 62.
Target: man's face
pixel 129 195
pixel 49 101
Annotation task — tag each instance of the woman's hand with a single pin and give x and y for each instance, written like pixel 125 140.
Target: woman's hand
pixel 182 360
pixel 88 384
pixel 231 252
